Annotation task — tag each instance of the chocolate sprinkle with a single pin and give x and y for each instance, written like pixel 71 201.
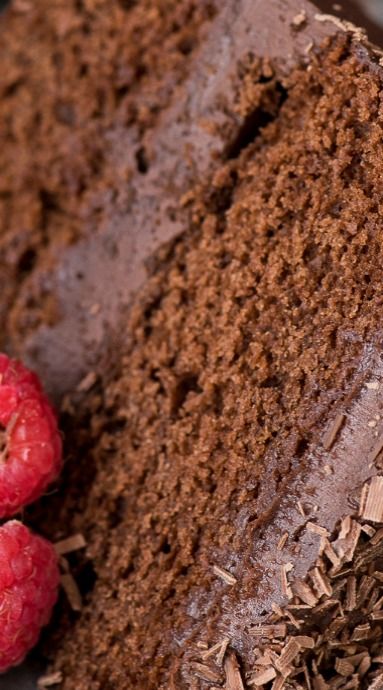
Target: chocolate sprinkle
pixel 233 675
pixel 341 608
pixel 332 432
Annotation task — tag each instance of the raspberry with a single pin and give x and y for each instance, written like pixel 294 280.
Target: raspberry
pixel 30 444
pixel 29 578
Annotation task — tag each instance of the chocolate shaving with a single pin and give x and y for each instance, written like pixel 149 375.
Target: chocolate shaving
pixel 219 649
pixel 376 450
pixel 332 432
pixel 321 582
pixel 264 660
pixel 305 642
pixel 289 653
pixel 302 590
pixel 377 537
pixel 331 554
pixel 343 667
pixel 70 544
pixel 350 603
pixel 72 591
pixel 271 631
pixel 279 683
pixel 317 529
pixel 345 546
pixel 282 541
pixel 363 498
pixel 361 632
pixel 320 683
pixel 370 531
pixel 286 589
pixel 202 645
pixel 377 683
pixel 233 674
pixel 366 585
pixel 373 509
pixel 205 672
pixel 377 604
pixel 301 509
pixel 211 651
pixel 224 575
pixel 345 527
pixel 221 654
pixel 261 678
pixel 364 665
pixel 49 680
pixel 87 382
pixel 294 621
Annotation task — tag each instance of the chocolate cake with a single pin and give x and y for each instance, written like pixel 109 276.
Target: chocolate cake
pixel 191 257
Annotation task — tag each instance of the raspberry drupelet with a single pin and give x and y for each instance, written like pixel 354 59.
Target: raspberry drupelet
pixel 30 443
pixel 29 578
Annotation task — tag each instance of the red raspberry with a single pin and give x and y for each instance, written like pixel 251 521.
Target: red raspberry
pixel 29 578
pixel 30 444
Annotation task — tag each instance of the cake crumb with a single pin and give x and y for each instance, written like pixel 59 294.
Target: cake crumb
pixel 372 385
pixel 95 309
pixel 299 19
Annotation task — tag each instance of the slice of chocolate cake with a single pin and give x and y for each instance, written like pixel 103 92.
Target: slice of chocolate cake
pixel 223 408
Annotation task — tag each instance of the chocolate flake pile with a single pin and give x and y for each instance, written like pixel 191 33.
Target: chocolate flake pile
pixel 330 634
